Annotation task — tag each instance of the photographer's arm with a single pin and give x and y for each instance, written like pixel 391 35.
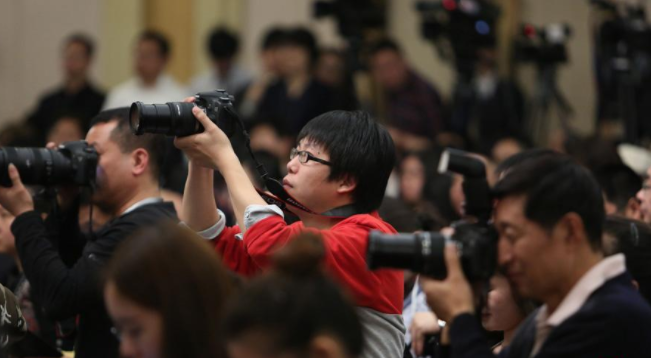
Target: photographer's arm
pixel 199 208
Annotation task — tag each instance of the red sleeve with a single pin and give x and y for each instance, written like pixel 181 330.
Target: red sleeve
pixel 233 252
pixel 346 244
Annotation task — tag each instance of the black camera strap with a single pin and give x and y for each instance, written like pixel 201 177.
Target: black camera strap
pixel 279 196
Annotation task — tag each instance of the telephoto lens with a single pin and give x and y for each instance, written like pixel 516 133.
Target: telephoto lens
pixel 172 119
pixel 420 252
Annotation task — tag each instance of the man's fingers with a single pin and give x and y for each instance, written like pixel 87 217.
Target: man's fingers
pixel 51 145
pixel 452 261
pixel 202 118
pixel 14 176
pixel 188 99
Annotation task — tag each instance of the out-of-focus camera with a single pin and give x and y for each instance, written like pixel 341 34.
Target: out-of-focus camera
pixel 474 236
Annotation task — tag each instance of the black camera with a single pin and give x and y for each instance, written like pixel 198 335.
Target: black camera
pixel 544 44
pixel 176 118
pixel 70 163
pixel 474 236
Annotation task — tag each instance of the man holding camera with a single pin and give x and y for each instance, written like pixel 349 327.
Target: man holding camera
pixel 62 266
pixel 549 216
pixel 339 171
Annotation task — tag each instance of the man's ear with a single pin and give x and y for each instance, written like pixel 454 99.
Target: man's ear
pixel 573 229
pixel 347 185
pixel 326 347
pixel 139 161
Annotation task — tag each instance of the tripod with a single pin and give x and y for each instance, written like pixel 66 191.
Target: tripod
pixel 546 95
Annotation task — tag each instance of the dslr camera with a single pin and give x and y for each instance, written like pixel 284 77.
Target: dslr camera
pixel 176 118
pixel 474 235
pixel 71 162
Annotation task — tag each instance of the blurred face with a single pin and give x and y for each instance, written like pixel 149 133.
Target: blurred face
pixel 65 130
pixel 114 176
pixel 457 197
pixel 75 60
pixel 140 328
pixel 644 196
pixel 308 182
pixel 293 60
pixel 330 70
pixel 150 63
pixel 389 69
pixel 501 313
pixel 534 259
pixel 412 179
pixel 270 61
pixel 7 239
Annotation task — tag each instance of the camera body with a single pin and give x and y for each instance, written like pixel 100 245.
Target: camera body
pixel 474 236
pixel 176 118
pixel 70 163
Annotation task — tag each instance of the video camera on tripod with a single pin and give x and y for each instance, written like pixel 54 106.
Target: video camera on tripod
pixel 544 44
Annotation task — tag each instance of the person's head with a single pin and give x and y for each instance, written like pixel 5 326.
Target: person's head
pixel 222 46
pixel 152 53
pixel 77 55
pixel 297 52
pixel 361 156
pixel 549 215
pixel 620 184
pixel 7 239
pixel 66 129
pixel 268 49
pixel 294 311
pixel 388 66
pixel 519 158
pixel 633 239
pixel 165 290
pixel 331 68
pixel 128 164
pixel 644 196
pixel 412 178
pixel 504 310
pixel 506 148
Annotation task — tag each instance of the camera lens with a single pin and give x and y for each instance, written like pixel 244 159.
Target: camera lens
pixel 421 252
pixel 172 119
pixel 37 166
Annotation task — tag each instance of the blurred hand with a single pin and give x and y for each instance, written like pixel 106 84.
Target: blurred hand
pixel 452 296
pixel 16 199
pixel 205 148
pixel 422 324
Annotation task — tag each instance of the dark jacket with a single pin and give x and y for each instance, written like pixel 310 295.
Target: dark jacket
pixel 615 321
pixel 68 286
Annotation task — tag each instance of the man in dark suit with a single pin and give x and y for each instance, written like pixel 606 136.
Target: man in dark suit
pixel 550 216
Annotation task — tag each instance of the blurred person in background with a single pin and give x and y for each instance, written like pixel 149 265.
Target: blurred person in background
pixel 620 184
pixel 76 97
pixel 151 84
pixel 295 310
pixel 297 96
pixel 644 197
pixel 222 46
pixel 413 106
pixel 65 129
pixel 165 291
pixel 333 70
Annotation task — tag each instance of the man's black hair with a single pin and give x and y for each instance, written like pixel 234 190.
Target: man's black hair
pixel 360 149
pixel 301 37
pixel 222 44
pixel 272 38
pixel 128 142
pixel 385 44
pixel 619 183
pixel 554 185
pixel 520 158
pixel 83 40
pixel 160 40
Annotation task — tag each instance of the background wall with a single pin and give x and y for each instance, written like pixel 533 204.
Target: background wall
pixel 31 32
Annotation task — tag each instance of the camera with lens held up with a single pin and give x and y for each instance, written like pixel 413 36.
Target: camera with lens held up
pixel 70 163
pixel 474 236
pixel 176 118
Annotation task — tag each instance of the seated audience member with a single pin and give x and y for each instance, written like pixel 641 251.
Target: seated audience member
pixel 549 216
pixel 506 148
pixel 165 292
pixel 620 184
pixel 62 264
pixel 296 310
pixel 413 105
pixel 633 239
pixel 339 172
pixel 297 96
pixel 76 97
pixel 65 129
pixel 225 73
pixel 333 69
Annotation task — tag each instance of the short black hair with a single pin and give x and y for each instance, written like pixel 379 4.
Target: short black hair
pixel 520 158
pixel 619 183
pixel 160 40
pixel 128 141
pixel 303 38
pixel 222 44
pixel 83 40
pixel 359 148
pixel 554 185
pixel 385 44
pixel 272 38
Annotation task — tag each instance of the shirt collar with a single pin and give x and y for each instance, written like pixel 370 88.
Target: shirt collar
pixel 596 277
pixel 143 202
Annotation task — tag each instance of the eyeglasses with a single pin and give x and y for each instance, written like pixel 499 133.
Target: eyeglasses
pixel 305 157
